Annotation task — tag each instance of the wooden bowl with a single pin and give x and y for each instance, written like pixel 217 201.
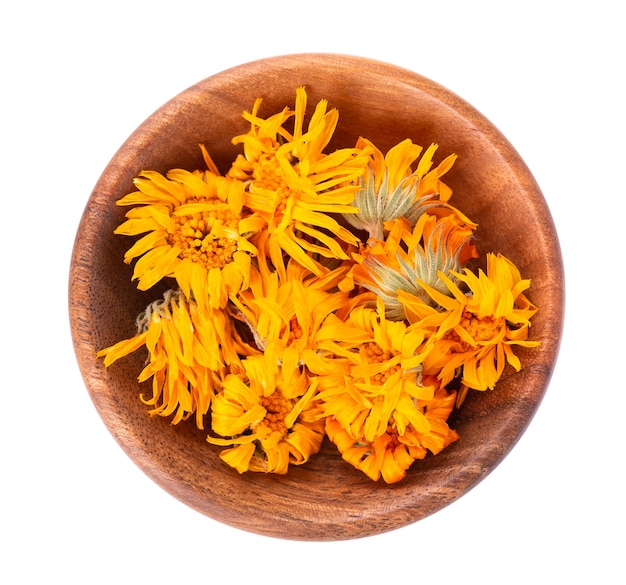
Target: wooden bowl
pixel 326 499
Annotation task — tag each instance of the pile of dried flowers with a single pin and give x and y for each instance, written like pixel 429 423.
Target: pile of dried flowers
pixel 316 294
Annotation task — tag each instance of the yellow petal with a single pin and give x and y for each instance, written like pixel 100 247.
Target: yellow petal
pixel 239 457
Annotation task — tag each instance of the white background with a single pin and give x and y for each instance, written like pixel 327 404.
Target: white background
pixel 79 77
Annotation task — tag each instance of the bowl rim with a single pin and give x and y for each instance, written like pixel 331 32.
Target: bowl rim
pixel 461 480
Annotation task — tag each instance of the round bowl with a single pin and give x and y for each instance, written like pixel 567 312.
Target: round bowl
pixel 325 499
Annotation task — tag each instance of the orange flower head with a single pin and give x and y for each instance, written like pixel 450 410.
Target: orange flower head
pixel 294 188
pixel 390 455
pixel 194 232
pixel 392 189
pixel 373 379
pixel 266 417
pixel 188 355
pixel 408 257
pixel 475 331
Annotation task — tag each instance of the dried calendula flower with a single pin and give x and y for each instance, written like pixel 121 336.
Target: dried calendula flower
pixel 409 257
pixel 390 454
pixel 195 232
pixel 475 331
pixel 187 356
pixel 295 187
pixel 392 189
pixel 267 417
pixel 374 377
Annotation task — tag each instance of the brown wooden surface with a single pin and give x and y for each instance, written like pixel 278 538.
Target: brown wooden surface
pixel 325 499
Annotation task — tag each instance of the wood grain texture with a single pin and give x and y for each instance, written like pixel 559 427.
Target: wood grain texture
pixel 325 499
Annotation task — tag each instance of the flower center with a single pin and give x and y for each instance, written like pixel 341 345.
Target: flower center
pixel 295 331
pixel 277 407
pixel 193 234
pixel 480 329
pixel 375 354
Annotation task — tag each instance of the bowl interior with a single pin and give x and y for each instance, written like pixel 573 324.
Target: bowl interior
pixel 326 499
